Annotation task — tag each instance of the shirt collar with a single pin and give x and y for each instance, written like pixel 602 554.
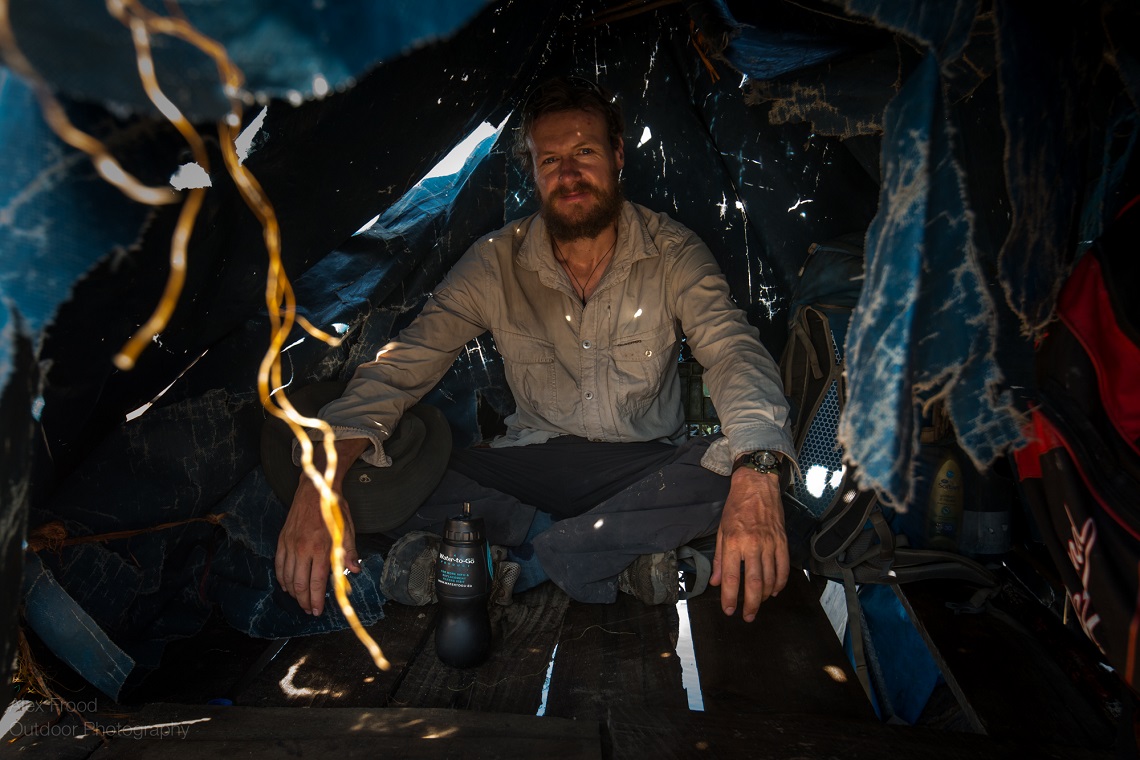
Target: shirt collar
pixel 634 243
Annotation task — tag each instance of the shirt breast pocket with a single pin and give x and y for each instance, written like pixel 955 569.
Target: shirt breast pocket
pixel 640 365
pixel 530 369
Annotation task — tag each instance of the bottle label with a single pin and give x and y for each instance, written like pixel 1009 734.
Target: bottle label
pixel 456 572
pixel 945 509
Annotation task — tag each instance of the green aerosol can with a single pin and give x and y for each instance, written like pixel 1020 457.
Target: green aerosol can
pixel 944 511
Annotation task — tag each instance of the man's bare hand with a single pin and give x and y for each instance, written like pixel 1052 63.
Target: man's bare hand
pixel 751 534
pixel 302 561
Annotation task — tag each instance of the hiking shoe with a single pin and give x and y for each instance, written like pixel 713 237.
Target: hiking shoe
pixel 409 569
pixel 652 578
pixel 504 576
pixel 503 585
pixel 665 577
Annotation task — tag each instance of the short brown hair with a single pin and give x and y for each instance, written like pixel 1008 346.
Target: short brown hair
pixel 567 93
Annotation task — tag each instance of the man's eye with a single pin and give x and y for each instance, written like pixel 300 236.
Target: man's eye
pixel 549 160
pixel 586 151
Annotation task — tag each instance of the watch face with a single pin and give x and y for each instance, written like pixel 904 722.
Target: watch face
pixel 764 458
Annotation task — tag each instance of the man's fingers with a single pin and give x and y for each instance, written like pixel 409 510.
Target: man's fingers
pixel 783 567
pixel 714 579
pixel 761 581
pixel 729 582
pixel 754 582
pixel 768 567
pixel 289 573
pixel 279 563
pixel 351 559
pixel 318 581
pixel 297 582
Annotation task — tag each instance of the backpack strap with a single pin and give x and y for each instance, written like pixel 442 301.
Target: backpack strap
pixel 842 548
pixel 843 521
pixel 924 564
pixel 800 335
pixel 855 626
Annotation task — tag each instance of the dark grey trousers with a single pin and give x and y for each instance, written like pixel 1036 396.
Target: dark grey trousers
pixel 610 503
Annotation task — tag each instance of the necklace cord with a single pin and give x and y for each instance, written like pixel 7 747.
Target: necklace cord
pixel 579 287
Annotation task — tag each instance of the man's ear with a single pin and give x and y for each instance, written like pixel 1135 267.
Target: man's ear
pixel 619 153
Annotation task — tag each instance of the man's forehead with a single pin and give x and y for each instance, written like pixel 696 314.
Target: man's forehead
pixel 585 110
pixel 586 123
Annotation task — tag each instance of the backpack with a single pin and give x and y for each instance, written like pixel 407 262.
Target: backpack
pixel 838 530
pixel 1080 471
pixel 812 362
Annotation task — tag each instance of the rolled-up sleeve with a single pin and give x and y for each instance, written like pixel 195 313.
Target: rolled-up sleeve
pixel 743 379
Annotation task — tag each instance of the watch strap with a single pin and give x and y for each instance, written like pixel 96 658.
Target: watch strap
pixel 753 461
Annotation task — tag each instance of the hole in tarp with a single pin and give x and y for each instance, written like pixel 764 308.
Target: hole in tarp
pixel 441 182
pixel 192 175
pixel 687 655
pixel 145 407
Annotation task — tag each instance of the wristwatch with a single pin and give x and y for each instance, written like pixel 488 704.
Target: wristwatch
pixel 761 461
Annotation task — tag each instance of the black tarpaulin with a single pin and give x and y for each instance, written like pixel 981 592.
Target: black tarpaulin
pixel 976 151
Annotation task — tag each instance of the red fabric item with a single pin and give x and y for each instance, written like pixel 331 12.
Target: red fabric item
pixel 1044 437
pixel 1086 310
pixel 1041 439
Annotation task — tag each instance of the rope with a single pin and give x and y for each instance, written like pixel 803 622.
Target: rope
pixel 53 535
pixel 698 41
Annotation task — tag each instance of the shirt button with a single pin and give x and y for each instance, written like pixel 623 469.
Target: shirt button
pixel 586 344
pixel 648 352
pixel 588 395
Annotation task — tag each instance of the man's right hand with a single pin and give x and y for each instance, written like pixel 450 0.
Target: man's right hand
pixel 302 561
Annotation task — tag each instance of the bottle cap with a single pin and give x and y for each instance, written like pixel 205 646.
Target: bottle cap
pixel 464 529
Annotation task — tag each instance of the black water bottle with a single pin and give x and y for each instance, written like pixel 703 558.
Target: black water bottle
pixel 462 581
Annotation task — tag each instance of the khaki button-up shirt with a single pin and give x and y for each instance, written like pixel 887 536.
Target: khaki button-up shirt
pixel 606 370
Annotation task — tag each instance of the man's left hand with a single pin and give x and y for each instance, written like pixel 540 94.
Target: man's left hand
pixel 751 535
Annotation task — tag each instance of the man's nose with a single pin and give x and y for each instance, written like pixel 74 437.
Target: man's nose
pixel 568 170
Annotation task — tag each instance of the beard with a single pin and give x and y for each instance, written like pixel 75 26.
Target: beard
pixel 589 222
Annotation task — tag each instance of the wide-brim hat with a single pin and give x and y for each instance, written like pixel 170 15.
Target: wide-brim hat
pixel 380 499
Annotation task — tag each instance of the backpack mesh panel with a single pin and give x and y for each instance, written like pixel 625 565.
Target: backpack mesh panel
pixel 821 456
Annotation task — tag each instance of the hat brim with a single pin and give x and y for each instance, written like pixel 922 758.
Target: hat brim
pixel 380 499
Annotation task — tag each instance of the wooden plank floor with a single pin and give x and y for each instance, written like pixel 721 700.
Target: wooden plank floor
pixel 510 681
pixel 616 654
pixel 198 732
pixel 621 654
pixel 610 681
pixel 788 660
pixel 207 732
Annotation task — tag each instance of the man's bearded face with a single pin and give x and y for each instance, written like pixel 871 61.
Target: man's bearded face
pixel 576 171
pixel 583 220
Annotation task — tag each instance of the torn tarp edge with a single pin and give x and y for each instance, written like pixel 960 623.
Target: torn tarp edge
pixel 920 265
pixel 70 632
